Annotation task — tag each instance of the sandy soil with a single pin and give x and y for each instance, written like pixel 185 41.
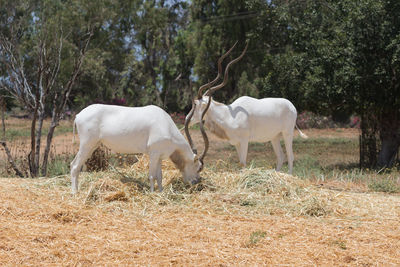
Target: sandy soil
pixel 42 225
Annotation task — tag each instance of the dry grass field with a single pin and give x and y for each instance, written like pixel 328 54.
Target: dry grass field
pixel 324 215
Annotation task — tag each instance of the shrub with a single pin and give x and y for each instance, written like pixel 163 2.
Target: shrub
pixel 311 120
pixel 99 161
pixel 178 118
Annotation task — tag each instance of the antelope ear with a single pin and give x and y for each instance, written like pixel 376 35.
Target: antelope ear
pixel 196 158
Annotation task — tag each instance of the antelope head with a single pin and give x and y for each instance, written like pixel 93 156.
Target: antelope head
pixel 201 103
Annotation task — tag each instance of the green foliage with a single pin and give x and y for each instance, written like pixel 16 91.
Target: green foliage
pixel 340 57
pixel 217 25
pixel 245 87
pixel 335 53
pixel 330 57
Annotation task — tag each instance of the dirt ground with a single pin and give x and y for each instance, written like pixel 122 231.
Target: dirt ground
pixel 42 224
pixel 45 226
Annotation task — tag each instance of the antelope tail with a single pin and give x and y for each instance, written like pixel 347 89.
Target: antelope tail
pixel 301 133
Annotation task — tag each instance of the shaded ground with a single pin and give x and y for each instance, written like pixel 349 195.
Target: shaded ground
pixel 330 148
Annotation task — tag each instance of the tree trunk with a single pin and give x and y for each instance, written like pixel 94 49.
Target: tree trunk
pixel 368 141
pixel 389 150
pixel 33 168
pixel 53 125
pixel 39 140
pixel 390 139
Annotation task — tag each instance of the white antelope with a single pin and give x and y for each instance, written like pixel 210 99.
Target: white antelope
pixel 246 119
pixel 148 130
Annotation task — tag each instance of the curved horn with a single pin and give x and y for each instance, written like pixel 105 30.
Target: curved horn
pixel 187 121
pixel 199 95
pixel 208 85
pixel 204 134
pixel 215 88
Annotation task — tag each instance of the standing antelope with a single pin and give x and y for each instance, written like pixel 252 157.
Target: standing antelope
pixel 246 119
pixel 148 130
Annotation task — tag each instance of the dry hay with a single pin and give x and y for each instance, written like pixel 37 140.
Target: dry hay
pixel 250 217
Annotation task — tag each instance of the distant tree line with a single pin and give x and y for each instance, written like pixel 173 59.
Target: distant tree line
pixel 331 57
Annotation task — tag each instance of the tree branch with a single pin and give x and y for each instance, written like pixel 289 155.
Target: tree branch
pixel 3 142
pixel 10 159
pixel 18 85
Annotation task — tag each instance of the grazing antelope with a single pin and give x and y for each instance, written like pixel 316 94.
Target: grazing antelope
pixel 246 119
pixel 148 130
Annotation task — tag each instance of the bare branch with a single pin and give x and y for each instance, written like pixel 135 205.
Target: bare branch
pixel 3 111
pixel 3 142
pixel 56 69
pixel 75 73
pixel 18 86
pixel 58 108
pixel 10 159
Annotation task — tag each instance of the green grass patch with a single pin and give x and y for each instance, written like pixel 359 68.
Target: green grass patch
pixel 13 134
pixel 62 129
pixel 319 159
pixel 384 185
pixel 256 237
pixel 308 166
pixel 59 165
